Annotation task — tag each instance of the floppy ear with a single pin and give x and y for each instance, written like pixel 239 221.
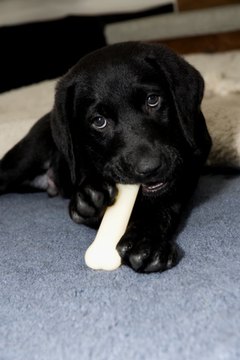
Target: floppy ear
pixel 186 86
pixel 61 119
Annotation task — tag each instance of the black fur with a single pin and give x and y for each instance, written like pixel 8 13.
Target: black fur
pixel 127 113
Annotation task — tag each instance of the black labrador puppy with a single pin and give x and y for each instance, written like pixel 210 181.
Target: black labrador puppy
pixel 127 113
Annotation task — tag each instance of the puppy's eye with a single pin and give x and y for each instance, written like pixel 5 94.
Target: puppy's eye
pixel 153 101
pixel 99 122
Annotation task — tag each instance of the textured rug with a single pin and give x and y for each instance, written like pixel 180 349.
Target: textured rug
pixel 53 307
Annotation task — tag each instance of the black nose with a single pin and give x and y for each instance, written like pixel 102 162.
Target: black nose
pixel 147 166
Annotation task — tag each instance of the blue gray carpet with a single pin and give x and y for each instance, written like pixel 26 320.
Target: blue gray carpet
pixel 53 307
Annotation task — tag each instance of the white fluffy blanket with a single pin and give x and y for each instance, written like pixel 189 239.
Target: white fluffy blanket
pixel 19 109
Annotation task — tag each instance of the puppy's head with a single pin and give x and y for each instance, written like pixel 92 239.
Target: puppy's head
pixel 131 112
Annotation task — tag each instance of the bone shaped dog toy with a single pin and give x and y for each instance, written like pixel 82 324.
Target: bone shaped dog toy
pixel 102 253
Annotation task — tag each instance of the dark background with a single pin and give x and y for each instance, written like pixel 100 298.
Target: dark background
pixel 45 50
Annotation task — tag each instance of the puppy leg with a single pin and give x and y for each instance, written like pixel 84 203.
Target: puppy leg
pixel 147 246
pixel 27 163
pixel 90 201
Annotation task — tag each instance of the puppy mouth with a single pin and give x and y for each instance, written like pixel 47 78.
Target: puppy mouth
pixel 153 188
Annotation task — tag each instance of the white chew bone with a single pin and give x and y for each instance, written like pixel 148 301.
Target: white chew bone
pixel 102 253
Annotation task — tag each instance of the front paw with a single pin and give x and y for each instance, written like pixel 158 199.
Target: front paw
pixel 89 203
pixel 146 254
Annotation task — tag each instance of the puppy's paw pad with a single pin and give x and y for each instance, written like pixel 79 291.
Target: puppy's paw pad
pixel 125 245
pixel 96 197
pixel 80 211
pixel 162 259
pixel 147 255
pixel 88 204
pixel 137 260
